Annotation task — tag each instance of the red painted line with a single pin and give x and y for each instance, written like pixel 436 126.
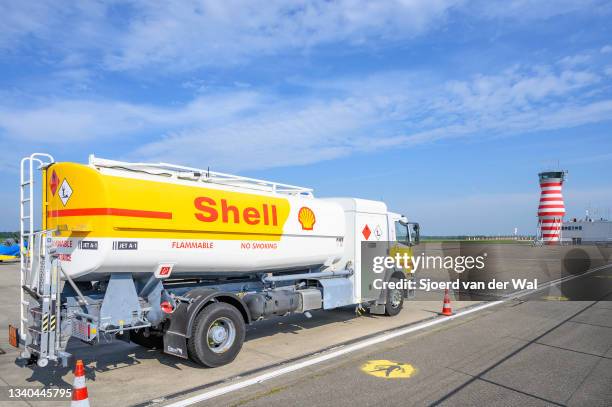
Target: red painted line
pixel 132 213
pixel 551 227
pixel 544 199
pixel 544 213
pixel 551 206
pixel 550 234
pixel 551 184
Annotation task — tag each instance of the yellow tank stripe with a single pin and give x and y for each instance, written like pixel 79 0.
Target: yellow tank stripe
pixel 89 204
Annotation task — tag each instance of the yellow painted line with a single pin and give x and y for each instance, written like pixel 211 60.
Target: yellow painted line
pixel 4 257
pixel 388 369
pixel 555 298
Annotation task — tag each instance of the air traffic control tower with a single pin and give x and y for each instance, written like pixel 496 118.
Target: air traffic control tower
pixel 551 208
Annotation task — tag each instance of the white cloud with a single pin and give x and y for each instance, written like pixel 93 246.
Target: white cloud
pixel 186 34
pixel 516 88
pixel 276 137
pixel 20 19
pixel 200 33
pixel 389 110
pixel 254 128
pixel 183 35
pixel 64 121
pixel 607 49
pixel 529 10
pixel 61 32
pixel 575 60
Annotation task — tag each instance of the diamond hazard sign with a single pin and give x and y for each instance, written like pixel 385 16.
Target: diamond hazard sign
pixel 53 183
pixel 366 232
pixel 164 270
pixel 378 232
pixel 65 192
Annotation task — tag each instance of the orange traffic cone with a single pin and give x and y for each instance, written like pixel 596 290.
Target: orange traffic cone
pixel 446 307
pixel 80 398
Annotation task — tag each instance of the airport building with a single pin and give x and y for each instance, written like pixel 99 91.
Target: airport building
pixel 587 230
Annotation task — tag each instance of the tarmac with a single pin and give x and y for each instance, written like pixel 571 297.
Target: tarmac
pixel 525 352
pixel 544 352
pixel 123 374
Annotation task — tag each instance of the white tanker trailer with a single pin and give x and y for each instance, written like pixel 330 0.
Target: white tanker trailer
pixel 182 259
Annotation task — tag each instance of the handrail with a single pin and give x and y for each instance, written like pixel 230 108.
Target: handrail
pixel 203 175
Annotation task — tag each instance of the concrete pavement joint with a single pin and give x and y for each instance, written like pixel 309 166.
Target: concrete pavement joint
pixel 514 353
pixel 588 323
pixel 519 391
pixel 560 347
pixel 482 379
pixel 586 377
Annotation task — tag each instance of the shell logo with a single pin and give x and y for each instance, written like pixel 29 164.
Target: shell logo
pixel 307 218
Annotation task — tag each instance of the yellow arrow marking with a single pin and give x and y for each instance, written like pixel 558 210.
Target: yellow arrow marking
pixel 388 369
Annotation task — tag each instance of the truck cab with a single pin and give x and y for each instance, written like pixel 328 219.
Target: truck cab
pixel 372 229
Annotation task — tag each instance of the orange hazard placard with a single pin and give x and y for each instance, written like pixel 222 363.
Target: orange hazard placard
pixel 164 270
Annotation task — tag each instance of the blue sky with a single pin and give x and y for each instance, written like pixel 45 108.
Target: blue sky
pixel 447 110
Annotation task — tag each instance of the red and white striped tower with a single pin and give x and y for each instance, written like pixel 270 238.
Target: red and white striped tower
pixel 551 209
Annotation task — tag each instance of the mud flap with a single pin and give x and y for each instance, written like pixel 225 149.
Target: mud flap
pixel 377 309
pixel 175 344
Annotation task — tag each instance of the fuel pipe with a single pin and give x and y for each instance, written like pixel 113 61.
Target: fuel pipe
pixel 306 276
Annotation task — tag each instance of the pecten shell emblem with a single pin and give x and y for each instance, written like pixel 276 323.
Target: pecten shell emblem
pixel 307 218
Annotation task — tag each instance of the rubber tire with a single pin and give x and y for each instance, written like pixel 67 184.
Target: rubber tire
pixel 149 342
pixel 389 310
pixel 197 344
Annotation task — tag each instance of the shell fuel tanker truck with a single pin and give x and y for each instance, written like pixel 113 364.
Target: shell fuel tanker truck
pixel 182 259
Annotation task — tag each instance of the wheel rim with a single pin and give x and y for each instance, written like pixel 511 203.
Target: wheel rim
pixel 221 335
pixel 395 298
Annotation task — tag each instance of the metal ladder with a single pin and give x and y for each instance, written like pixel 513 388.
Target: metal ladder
pixel 39 273
pixel 26 223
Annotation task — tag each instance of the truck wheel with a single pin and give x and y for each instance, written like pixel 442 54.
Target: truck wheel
pixel 150 342
pixel 395 300
pixel 217 335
